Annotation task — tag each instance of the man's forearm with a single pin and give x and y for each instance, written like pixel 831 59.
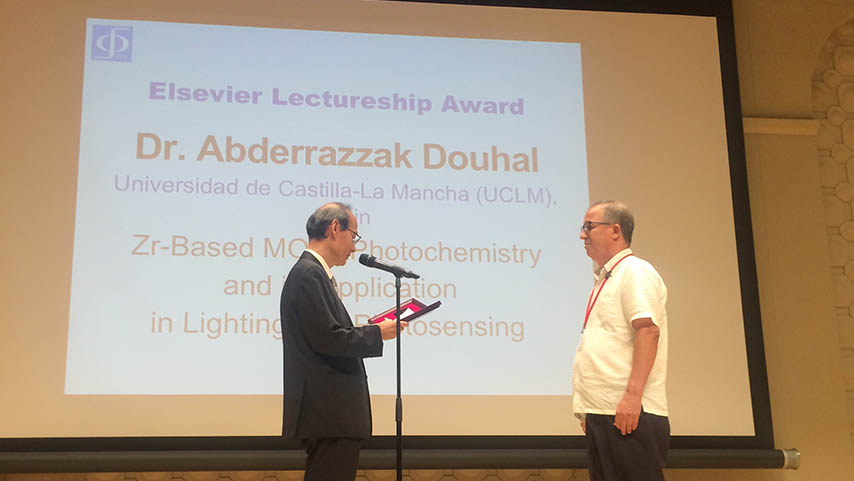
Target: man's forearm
pixel 643 357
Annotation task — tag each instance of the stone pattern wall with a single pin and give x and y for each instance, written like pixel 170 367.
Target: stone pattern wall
pixel 833 105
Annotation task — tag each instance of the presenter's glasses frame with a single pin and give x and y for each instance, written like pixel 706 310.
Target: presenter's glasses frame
pixel 356 236
pixel 589 225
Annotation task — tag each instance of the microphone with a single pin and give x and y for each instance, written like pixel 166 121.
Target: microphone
pixel 398 271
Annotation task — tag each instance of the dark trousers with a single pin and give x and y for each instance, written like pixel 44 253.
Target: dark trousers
pixel 331 459
pixel 638 456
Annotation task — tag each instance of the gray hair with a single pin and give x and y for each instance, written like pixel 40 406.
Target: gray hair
pixel 320 220
pixel 617 212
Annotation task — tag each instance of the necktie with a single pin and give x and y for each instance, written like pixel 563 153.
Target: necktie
pixel 334 284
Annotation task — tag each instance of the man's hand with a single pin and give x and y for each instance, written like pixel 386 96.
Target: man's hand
pixel 628 413
pixel 388 328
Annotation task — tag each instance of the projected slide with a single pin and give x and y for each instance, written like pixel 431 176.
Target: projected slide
pixel 203 150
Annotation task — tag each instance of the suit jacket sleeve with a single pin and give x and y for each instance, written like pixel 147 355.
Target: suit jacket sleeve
pixel 325 324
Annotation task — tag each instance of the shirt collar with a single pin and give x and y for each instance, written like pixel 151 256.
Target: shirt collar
pixel 322 262
pixel 609 266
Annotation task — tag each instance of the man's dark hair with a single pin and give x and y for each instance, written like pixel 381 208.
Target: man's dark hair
pixel 319 221
pixel 617 212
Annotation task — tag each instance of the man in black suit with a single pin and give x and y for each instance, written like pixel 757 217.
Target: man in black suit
pixel 327 404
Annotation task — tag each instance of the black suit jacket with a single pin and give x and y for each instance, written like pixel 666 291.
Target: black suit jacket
pixel 325 385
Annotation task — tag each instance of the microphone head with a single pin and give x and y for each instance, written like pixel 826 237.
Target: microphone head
pixel 367 260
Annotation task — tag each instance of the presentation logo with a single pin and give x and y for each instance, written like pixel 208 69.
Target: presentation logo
pixel 112 43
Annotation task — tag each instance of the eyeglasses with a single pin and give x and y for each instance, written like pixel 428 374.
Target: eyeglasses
pixel 589 225
pixel 356 235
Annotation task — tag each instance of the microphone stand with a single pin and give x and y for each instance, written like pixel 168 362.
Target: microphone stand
pixel 398 407
pixel 397 272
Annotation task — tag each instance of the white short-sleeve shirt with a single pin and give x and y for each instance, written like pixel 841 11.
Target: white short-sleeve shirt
pixel 603 360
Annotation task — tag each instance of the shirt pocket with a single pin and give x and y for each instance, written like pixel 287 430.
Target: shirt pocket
pixel 607 312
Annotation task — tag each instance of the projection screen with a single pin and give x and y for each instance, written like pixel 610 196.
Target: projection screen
pixel 165 156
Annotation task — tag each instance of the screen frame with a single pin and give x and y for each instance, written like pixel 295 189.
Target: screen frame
pixel 759 391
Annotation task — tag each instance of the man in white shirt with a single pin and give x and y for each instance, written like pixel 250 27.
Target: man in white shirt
pixel 621 361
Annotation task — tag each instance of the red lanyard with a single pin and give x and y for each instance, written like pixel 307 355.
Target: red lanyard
pixel 593 299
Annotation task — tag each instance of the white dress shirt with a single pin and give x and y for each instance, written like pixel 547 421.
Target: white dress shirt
pixel 603 360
